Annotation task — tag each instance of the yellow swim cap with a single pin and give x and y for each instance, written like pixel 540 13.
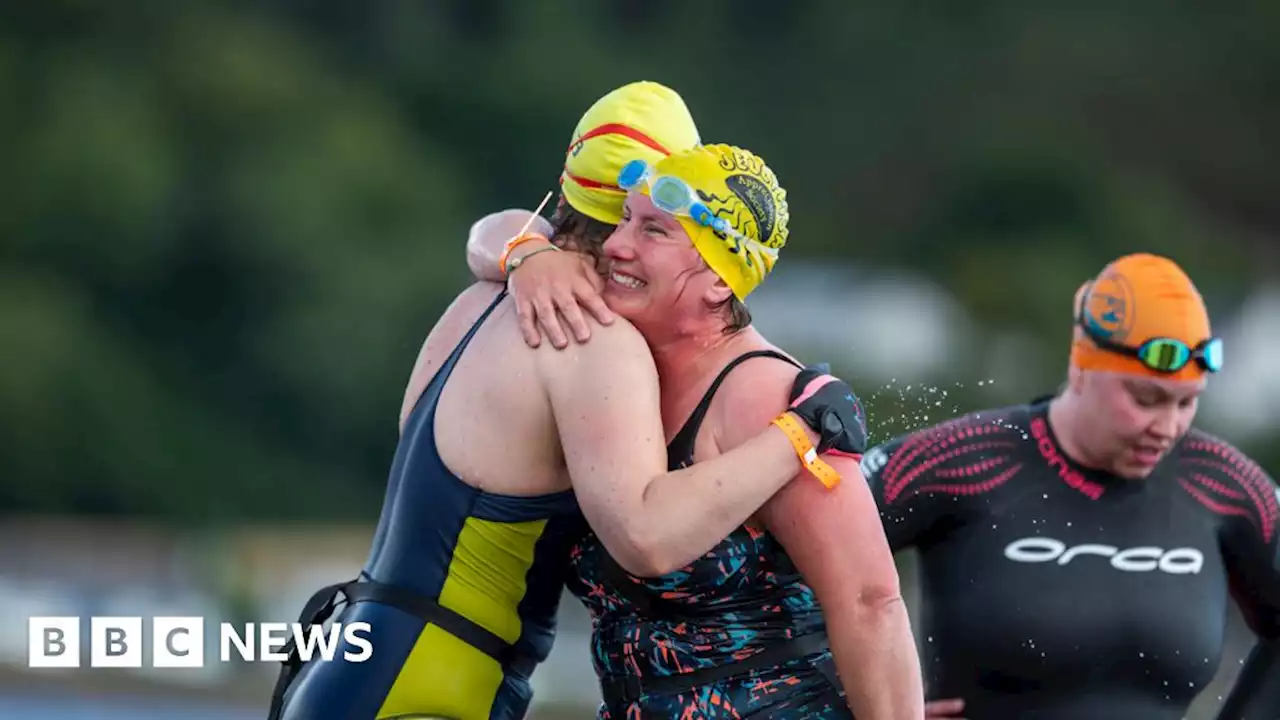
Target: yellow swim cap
pixel 735 185
pixel 640 120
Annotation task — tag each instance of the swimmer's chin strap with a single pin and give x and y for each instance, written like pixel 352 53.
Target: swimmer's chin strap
pixel 1256 694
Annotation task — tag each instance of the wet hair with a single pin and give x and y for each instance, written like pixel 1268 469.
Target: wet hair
pixel 575 230
pixel 736 315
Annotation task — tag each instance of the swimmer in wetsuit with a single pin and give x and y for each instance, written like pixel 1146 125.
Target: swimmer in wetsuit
pixel 1078 553
pixel 504 450
pixel 740 631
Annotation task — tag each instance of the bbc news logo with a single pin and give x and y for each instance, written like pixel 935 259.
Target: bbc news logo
pixel 178 642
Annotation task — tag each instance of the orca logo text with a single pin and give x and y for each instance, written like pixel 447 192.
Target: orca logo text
pixel 1177 561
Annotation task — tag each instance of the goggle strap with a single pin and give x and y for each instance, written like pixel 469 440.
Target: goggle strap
pixel 688 206
pixel 1154 354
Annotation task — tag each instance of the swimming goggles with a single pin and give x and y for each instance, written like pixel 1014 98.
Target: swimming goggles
pixel 674 196
pixel 1163 355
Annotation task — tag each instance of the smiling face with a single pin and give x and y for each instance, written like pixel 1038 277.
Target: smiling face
pixel 656 275
pixel 1134 420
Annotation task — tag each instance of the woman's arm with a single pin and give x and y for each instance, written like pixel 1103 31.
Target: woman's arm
pixel 1251 552
pixel 553 289
pixel 838 544
pixel 836 541
pixel 604 396
pixel 489 236
pixel 1256 693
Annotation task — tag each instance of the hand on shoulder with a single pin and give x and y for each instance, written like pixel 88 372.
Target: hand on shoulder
pixel 553 289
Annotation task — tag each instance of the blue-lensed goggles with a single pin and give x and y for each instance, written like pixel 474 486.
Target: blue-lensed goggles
pixel 674 196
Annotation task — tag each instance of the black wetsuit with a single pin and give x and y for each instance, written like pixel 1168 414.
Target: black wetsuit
pixel 1051 591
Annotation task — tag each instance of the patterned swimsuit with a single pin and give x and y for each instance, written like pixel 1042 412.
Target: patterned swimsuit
pixel 742 598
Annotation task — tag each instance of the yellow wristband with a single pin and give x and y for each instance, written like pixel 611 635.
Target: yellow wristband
pixel 515 242
pixel 805 450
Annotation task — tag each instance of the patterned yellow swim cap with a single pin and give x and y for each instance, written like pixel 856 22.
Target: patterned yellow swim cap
pixel 640 120
pixel 735 185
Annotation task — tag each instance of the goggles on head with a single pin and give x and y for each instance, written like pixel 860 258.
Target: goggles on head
pixel 674 196
pixel 1163 355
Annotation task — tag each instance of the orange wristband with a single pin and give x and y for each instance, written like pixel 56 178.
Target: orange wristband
pixel 805 450
pixel 513 243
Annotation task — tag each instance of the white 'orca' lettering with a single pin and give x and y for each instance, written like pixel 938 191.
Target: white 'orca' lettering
pixel 1177 561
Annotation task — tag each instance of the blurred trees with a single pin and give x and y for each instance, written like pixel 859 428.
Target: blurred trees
pixel 227 227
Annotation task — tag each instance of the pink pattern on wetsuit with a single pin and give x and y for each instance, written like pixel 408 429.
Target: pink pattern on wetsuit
pixel 1211 467
pixel 967 450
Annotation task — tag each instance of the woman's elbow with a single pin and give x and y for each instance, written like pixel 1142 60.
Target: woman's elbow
pixel 886 594
pixel 504 225
pixel 863 617
pixel 869 600
pixel 644 554
pixel 644 562
pixel 642 567
pixel 490 234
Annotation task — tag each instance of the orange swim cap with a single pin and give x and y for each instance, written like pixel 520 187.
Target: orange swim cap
pixel 1135 299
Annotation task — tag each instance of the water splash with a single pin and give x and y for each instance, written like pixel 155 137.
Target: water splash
pixel 895 408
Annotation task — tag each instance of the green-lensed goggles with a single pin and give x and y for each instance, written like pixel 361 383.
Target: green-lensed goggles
pixel 1163 355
